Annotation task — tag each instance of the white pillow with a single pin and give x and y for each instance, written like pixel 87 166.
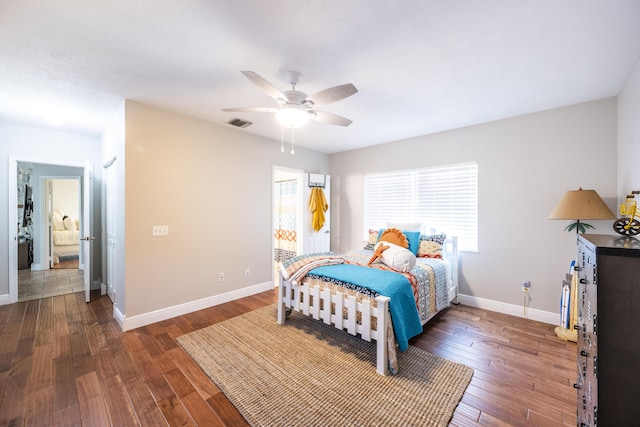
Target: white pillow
pixel 397 257
pixel 405 226
pixel 58 225
pixel 69 223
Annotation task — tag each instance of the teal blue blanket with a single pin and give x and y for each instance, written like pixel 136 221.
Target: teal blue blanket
pixel 404 314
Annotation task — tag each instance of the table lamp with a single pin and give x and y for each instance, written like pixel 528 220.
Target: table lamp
pixel 578 205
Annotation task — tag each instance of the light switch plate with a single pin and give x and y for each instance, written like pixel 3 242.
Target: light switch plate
pixel 160 230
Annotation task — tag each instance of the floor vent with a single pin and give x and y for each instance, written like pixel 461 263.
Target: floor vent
pixel 239 123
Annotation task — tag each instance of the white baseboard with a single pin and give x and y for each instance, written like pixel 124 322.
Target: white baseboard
pixel 128 323
pixel 177 310
pixel 117 314
pixel 512 309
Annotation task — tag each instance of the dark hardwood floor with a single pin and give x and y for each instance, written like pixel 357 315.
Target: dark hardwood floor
pixel 66 362
pixel 523 373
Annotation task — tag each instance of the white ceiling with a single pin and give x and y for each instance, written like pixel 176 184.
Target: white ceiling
pixel 420 66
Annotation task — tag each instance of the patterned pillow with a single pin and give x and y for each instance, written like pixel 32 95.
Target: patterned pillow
pixel 431 245
pixel 373 238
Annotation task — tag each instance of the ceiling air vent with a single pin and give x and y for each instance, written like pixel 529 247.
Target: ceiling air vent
pixel 239 123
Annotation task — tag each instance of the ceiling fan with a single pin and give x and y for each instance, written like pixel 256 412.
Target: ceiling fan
pixel 295 108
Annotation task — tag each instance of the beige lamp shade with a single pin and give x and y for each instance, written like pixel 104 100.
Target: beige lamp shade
pixel 581 204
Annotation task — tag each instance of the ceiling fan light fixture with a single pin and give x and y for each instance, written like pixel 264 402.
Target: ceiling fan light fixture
pixel 292 116
pixel 295 108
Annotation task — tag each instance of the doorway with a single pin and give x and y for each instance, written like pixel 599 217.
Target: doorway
pixel 287 240
pixel 61 223
pixel 54 238
pixel 37 273
pixel 292 231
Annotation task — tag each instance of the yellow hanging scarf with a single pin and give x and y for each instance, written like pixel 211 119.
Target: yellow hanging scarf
pixel 318 205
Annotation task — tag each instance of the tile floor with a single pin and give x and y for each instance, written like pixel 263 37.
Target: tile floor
pixel 47 283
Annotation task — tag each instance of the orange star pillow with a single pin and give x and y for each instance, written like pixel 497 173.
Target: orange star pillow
pixel 390 235
pixel 395 236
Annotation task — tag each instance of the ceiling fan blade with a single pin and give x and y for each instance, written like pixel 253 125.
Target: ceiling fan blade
pixel 251 110
pixel 333 94
pixel 329 118
pixel 266 87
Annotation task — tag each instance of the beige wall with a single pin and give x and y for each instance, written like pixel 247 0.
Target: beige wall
pixel 525 165
pixel 629 135
pixel 179 173
pixel 212 186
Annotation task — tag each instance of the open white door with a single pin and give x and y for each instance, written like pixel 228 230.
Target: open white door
pixel 313 241
pixel 109 176
pixel 48 225
pixel 87 239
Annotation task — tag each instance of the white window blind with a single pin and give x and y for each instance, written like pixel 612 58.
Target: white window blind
pixel 447 199
pixel 442 197
pixel 387 195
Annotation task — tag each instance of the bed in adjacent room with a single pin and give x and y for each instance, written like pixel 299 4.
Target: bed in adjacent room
pixel 385 291
pixel 65 233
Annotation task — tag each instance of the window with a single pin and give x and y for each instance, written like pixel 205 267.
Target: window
pixel 441 197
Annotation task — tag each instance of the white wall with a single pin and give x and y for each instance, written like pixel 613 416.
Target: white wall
pixel 24 142
pixel 525 165
pixel 629 136
pixel 66 196
pixel 211 185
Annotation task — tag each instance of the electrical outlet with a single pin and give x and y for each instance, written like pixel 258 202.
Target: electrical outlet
pixel 247 272
pixel 220 277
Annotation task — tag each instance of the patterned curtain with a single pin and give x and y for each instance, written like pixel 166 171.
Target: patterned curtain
pixel 286 195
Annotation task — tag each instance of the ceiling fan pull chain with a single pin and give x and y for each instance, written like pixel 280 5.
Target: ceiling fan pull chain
pixel 292 152
pixel 282 138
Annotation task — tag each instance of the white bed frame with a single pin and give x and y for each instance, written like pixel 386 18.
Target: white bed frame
pixel 309 300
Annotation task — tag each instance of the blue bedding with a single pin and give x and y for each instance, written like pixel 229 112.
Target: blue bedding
pixel 404 315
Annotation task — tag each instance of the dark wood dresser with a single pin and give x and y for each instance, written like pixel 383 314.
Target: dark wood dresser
pixel 25 254
pixel 608 341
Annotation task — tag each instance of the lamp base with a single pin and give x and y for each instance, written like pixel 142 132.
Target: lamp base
pixel 566 334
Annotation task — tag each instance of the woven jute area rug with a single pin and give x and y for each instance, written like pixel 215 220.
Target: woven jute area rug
pixel 306 373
